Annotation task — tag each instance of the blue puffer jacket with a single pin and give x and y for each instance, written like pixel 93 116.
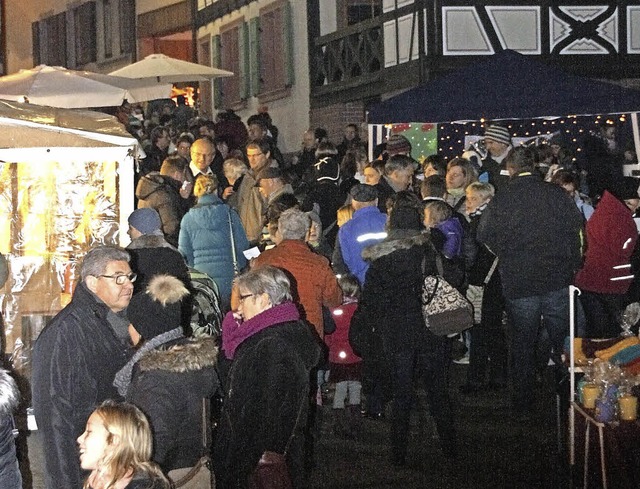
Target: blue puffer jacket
pixel 205 241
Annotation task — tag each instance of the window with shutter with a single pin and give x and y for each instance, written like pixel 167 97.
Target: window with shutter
pixel 275 57
pixel 204 57
pixel 84 21
pixel 230 60
pixel 127 26
pixel 107 23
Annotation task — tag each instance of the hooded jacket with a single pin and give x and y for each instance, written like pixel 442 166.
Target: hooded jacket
pixel 611 239
pixel 168 385
pixel 205 241
pixel 162 193
pixel 267 402
pixel 391 299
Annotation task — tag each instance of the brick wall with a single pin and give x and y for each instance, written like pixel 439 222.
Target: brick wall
pixel 334 117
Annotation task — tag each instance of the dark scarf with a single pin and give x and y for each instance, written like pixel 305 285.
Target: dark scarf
pixel 235 332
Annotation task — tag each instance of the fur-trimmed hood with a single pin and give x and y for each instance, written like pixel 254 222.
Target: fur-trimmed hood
pixel 394 242
pixel 189 355
pixel 149 241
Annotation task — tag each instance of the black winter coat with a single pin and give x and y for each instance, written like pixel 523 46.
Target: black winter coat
pixel 391 299
pixel 75 360
pixel 168 385
pixel 267 392
pixel 535 229
pixel 153 255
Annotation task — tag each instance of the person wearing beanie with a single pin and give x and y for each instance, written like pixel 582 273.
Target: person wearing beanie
pixel 150 252
pixel 325 195
pixel 391 302
pixel 170 368
pixel 606 274
pixel 497 141
pixel 397 144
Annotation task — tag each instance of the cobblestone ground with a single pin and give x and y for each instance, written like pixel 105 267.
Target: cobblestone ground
pixel 495 452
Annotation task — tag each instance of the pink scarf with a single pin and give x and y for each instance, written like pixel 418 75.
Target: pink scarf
pixel 235 332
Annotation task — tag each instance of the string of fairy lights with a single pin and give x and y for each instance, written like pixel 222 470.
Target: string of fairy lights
pixel 572 129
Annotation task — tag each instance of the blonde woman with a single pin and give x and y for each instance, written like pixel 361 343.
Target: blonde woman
pixel 460 174
pixel 116 447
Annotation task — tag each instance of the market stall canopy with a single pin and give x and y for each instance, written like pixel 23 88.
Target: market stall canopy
pixel 56 86
pixel 50 133
pixel 507 85
pixel 164 69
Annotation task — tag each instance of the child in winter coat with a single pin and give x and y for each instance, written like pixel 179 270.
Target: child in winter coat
pixel 345 365
pixel 438 215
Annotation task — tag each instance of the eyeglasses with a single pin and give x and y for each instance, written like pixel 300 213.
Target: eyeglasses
pixel 121 279
pixel 254 154
pixel 246 296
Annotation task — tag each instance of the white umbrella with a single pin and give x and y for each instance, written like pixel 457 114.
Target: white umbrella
pixel 164 69
pixel 58 87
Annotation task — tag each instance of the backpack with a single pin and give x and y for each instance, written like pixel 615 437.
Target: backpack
pixel 206 315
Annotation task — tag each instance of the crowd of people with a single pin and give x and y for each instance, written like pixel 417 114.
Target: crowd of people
pixel 320 261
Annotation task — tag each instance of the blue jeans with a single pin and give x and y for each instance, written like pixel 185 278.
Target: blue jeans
pixel 525 316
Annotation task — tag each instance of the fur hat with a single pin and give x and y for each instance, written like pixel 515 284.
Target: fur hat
pixel 498 134
pixel 146 220
pixel 158 308
pixel 398 144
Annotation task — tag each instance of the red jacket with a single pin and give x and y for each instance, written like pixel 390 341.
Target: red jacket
pixel 611 238
pixel 338 342
pixel 314 283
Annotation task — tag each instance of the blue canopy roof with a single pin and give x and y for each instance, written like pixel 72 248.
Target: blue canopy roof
pixel 507 85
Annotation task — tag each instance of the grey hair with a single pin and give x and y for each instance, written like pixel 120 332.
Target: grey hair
pixel 9 394
pixel 97 260
pixel 399 162
pixel 234 167
pixel 268 280
pixel 294 224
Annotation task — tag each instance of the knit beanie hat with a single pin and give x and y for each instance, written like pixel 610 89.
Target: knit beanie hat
pixel 157 309
pixel 327 169
pixel 398 144
pixel 405 217
pixel 146 220
pixel 625 188
pixel 498 134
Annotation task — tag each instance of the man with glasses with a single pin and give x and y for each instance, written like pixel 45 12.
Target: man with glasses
pixel 76 357
pixel 249 202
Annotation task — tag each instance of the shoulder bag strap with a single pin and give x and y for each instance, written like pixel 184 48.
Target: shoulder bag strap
pixel 233 243
pixel 491 270
pixel 286 448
